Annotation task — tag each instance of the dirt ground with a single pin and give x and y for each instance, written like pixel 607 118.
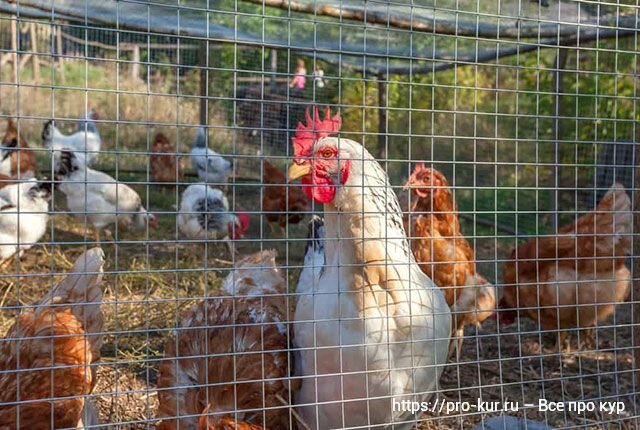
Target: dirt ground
pixel 148 283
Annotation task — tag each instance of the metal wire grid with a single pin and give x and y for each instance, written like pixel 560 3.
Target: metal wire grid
pixel 518 164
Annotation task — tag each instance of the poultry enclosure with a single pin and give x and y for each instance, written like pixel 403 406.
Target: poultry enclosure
pixel 462 215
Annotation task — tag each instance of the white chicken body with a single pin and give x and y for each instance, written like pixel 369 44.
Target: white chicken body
pixel 85 142
pixel 372 310
pixel 5 161
pixel 204 213
pixel 98 196
pixel 24 211
pixel 210 166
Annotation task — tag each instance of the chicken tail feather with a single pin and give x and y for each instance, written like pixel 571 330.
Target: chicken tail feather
pixel 82 288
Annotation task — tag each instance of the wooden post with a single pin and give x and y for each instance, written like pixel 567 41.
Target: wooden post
pixel 558 85
pixel 203 62
pixel 635 271
pixel 135 66
pixel 274 68
pixel 635 266
pixel 382 116
pixel 58 30
pixel 14 47
pixel 34 48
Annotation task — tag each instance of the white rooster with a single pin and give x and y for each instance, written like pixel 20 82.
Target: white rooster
pixel 85 142
pixel 210 166
pixel 313 257
pixel 204 214
pixel 99 197
pixel 24 212
pixel 375 330
pixel 310 274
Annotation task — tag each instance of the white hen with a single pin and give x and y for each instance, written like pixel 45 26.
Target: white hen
pixel 210 166
pixel 24 211
pixel 204 214
pixel 375 329
pixel 99 197
pixel 85 142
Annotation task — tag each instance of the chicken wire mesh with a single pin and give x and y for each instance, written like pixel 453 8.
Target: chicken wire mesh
pixel 493 134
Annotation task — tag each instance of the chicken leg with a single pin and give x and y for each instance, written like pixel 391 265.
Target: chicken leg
pixel 563 344
pixel 272 229
pixel 589 338
pixel 457 339
pixel 232 249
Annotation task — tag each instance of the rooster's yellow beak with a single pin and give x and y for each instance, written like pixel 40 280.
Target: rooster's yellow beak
pixel 298 170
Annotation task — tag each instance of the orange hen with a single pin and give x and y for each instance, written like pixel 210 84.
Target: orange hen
pixel 574 279
pixel 59 337
pixel 16 159
pixel 230 356
pixel 282 202
pixel 443 253
pixel 165 165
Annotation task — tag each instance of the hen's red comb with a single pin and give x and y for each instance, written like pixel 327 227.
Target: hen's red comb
pixel 315 128
pixel 419 167
pixel 243 218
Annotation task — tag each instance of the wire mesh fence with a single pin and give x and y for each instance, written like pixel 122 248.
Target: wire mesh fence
pixel 188 238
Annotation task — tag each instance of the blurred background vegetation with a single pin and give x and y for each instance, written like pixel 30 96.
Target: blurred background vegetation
pixel 491 128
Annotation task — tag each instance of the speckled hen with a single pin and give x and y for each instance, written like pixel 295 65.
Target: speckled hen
pixel 45 357
pixel 229 357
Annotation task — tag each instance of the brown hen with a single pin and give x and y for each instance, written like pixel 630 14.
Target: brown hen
pixel 16 159
pixel 7 180
pixel 165 165
pixel 225 423
pixel 576 278
pixel 442 251
pixel 230 354
pixel 282 203
pixel 60 337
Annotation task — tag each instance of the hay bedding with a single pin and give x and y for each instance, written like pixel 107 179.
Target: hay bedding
pixel 518 365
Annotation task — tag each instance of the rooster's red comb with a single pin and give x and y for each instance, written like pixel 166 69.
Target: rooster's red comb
pixel 315 128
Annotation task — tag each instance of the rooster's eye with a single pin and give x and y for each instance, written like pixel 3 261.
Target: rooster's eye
pixel 327 153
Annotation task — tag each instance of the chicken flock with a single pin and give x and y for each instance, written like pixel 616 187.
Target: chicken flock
pixel 380 305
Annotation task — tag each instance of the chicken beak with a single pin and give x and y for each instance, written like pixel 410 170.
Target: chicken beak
pixel 298 170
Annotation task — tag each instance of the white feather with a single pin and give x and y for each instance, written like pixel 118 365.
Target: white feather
pixel 210 166
pixel 23 221
pixel 102 199
pixel 5 164
pixel 354 346
pixel 85 144
pixel 191 212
